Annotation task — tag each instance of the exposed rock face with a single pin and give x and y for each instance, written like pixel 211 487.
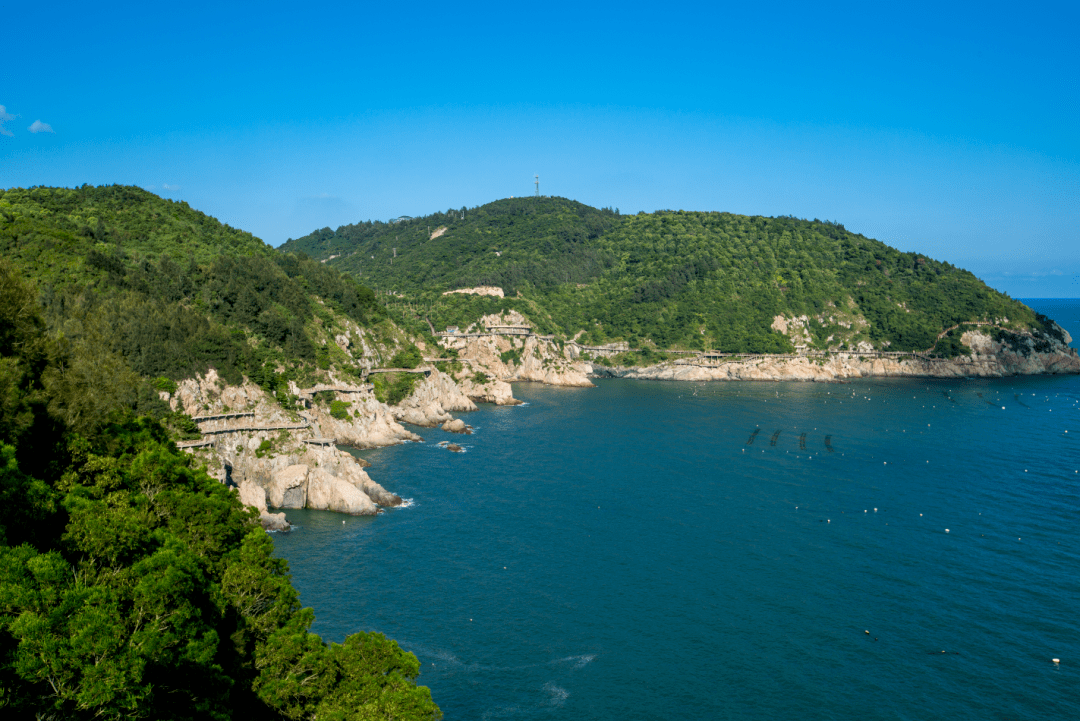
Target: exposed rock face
pixel 492 390
pixel 209 394
pixel 542 362
pixel 293 473
pixel 370 424
pixel 327 492
pixel 288 487
pixel 432 400
pixel 527 358
pixel 491 290
pixel 255 496
pixel 989 359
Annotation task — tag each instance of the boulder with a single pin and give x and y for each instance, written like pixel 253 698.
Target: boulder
pixel 289 487
pixel 326 492
pixel 456 425
pixel 274 522
pixel 253 495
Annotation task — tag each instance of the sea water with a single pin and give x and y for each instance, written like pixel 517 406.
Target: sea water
pixel 881 549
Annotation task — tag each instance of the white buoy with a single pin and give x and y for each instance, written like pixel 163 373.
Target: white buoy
pixel 1056 660
pixel 875 510
pixel 946 530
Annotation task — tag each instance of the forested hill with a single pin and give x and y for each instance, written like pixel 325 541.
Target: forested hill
pixel 667 279
pixel 132 584
pixel 540 242
pixel 167 292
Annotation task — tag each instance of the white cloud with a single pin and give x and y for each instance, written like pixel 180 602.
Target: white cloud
pixel 166 186
pixel 40 127
pixel 4 117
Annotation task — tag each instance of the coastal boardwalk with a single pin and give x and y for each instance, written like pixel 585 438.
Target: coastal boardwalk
pixel 208 441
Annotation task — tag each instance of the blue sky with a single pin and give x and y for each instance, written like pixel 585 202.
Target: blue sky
pixel 952 131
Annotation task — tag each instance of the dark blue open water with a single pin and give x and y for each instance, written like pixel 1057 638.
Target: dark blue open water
pixel 622 552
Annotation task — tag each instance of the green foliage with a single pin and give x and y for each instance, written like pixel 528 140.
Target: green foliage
pixel 162 383
pixel 267 446
pixel 480 378
pixel 541 242
pixel 393 388
pixel 340 409
pixel 184 425
pixel 950 346
pixel 136 281
pixel 134 586
pixel 511 356
pixel 669 279
pixel 407 358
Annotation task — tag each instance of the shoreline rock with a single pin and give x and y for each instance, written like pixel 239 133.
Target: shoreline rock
pixel 989 359
pixel 457 425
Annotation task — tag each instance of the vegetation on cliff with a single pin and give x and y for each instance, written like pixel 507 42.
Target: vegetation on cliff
pixel 670 279
pixel 132 585
pixel 137 284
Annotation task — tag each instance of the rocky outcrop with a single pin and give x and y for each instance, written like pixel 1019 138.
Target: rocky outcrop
pixel 288 487
pixel 208 394
pixel 511 358
pixel 327 492
pixel 334 485
pixel 255 496
pixel 989 359
pixel 491 290
pixel 490 390
pixel 457 426
pixel 432 400
pixel 291 473
pixel 542 362
pixel 370 424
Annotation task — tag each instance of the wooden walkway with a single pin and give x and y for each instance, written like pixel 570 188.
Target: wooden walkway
pixel 425 371
pixel 310 392
pixel 253 428
pixel 223 416
pixel 201 443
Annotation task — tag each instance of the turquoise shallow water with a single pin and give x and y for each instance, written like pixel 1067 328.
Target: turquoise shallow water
pixel 623 553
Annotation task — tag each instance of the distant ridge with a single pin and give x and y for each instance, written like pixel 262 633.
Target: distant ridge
pixel 689 279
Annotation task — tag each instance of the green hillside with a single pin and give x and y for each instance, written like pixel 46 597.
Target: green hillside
pixel 139 284
pixel 668 279
pixel 539 242
pixel 133 585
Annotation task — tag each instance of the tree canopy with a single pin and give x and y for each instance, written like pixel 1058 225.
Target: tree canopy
pixel 666 279
pixel 132 585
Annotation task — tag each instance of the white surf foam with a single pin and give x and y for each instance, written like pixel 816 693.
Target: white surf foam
pixel 556 694
pixel 579 661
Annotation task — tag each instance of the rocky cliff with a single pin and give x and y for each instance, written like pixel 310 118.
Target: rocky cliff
pixel 432 400
pixel 1018 354
pixel 281 459
pixel 494 359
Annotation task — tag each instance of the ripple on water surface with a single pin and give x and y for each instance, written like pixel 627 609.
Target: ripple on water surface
pixel 623 553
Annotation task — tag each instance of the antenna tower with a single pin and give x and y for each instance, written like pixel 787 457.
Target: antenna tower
pixel 537 185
